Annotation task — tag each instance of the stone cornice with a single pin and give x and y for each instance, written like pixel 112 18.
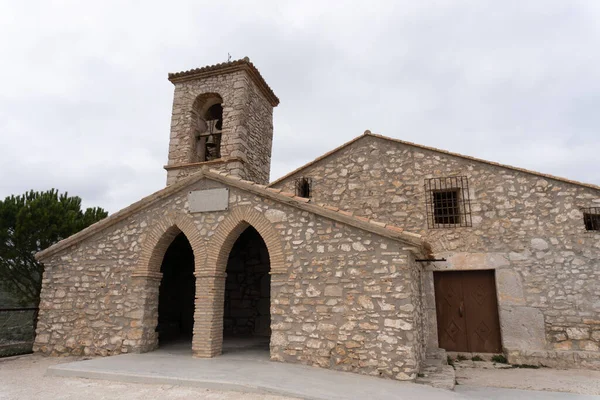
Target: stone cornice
pixel 227 68
pixel 223 160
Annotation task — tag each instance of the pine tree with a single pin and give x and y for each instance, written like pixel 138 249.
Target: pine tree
pixel 30 223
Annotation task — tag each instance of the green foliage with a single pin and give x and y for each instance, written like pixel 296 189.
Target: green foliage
pixel 499 358
pixel 30 223
pixel 476 358
pixel 460 357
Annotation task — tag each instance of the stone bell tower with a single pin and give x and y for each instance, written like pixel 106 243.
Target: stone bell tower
pixel 222 118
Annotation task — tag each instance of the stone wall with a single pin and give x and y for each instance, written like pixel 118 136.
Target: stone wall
pixel 528 228
pixel 247 128
pixel 342 297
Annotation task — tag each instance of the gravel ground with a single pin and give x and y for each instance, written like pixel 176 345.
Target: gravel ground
pixel 555 380
pixel 23 378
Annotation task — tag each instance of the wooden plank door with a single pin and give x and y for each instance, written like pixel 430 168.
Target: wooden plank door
pixel 481 309
pixel 467 311
pixel 451 322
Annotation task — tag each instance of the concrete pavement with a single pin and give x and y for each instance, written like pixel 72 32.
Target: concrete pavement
pixel 249 370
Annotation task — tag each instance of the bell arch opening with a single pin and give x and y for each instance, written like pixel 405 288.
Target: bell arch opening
pixel 176 295
pixel 207 127
pixel 247 295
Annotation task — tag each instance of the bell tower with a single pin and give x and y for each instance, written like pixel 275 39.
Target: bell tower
pixel 222 118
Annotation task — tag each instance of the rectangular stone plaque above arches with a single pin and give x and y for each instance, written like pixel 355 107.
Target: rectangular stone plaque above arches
pixel 208 200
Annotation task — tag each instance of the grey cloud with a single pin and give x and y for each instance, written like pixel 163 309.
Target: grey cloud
pixel 85 105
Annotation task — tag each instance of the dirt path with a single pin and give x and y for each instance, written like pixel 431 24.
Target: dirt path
pixel 23 378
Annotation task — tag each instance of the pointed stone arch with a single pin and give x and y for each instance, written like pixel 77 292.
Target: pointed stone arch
pixel 147 274
pixel 231 228
pixel 160 237
pixel 210 279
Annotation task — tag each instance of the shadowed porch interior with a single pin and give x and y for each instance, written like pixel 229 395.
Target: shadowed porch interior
pixel 176 295
pixel 246 316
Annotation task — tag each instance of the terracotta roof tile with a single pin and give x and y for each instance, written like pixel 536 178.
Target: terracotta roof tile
pixel 287 194
pixel 302 199
pixel 381 224
pixel 394 228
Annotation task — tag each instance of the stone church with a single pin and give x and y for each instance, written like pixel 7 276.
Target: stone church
pixel 369 259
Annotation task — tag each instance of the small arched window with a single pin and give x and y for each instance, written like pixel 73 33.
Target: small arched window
pixel 304 187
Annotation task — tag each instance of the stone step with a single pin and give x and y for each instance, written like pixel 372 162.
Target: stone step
pixel 438 376
pixel 435 362
pixel 436 354
pixel 435 370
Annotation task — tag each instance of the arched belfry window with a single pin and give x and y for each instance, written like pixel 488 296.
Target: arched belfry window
pixel 207 126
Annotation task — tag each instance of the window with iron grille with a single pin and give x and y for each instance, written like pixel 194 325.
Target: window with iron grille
pixel 304 187
pixel 447 202
pixel 591 218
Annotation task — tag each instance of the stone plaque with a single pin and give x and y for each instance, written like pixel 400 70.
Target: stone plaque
pixel 208 200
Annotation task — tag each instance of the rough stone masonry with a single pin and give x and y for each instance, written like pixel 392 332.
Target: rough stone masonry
pixel 351 281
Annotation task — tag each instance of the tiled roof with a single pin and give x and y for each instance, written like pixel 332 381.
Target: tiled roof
pixel 419 146
pixel 412 240
pixel 243 64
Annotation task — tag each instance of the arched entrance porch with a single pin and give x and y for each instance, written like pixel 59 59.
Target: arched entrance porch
pixel 247 296
pixel 176 296
pixel 243 233
pixel 173 248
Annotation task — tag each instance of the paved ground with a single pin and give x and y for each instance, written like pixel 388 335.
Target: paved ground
pixel 247 370
pixel 23 378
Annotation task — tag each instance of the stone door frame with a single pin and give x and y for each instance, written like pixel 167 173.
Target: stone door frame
pixel 512 305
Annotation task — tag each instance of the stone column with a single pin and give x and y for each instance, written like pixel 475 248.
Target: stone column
pixel 280 302
pixel 208 315
pixel 146 285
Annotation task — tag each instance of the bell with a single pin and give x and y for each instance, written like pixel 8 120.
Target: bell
pixel 210 141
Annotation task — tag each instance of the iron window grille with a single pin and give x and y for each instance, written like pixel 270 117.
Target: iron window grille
pixel 591 218
pixel 447 202
pixel 304 187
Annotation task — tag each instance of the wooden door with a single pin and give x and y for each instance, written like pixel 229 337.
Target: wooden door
pixel 467 311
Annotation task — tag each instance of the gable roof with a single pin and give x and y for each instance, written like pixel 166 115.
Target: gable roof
pixel 243 64
pixel 419 146
pixel 380 228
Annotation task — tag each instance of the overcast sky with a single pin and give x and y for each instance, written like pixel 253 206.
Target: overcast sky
pixel 85 103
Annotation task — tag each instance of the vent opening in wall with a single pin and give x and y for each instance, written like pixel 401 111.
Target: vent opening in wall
pixel 304 187
pixel 591 218
pixel 447 202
